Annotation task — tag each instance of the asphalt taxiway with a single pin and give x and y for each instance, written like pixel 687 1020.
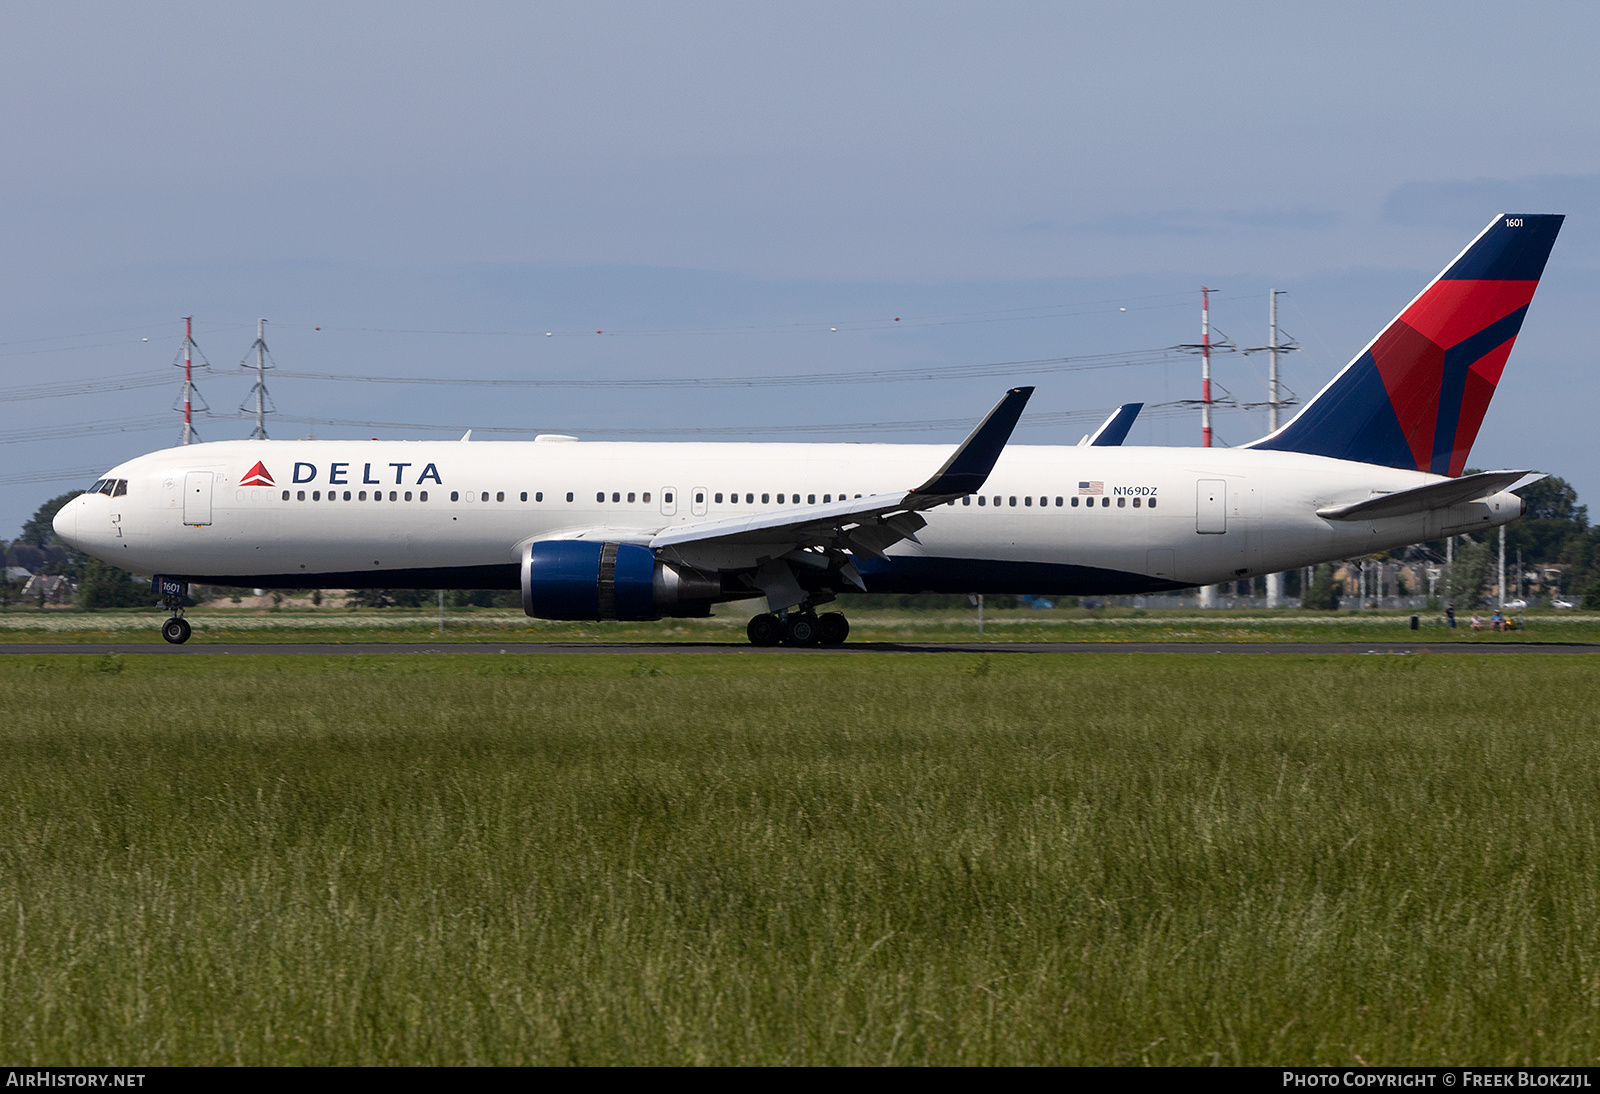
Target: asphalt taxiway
pixel 327 649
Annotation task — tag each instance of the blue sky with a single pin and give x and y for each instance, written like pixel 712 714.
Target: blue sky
pixel 716 186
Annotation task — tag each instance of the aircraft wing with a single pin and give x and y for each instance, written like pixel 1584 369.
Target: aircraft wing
pixel 1114 430
pixel 818 536
pixel 1434 495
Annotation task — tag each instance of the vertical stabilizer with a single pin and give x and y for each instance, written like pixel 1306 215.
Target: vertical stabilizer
pixel 1415 397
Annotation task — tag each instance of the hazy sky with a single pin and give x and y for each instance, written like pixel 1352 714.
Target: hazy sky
pixel 716 186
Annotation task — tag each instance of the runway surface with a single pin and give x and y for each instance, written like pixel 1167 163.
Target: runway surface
pixel 324 649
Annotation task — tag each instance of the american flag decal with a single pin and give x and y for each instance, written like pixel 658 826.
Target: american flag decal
pixel 1091 489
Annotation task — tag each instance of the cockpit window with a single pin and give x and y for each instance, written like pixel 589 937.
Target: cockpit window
pixel 99 484
pixel 120 489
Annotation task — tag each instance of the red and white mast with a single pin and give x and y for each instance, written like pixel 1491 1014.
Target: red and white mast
pixel 189 379
pixel 1205 367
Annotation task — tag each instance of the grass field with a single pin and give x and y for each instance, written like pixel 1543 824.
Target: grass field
pixel 867 625
pixel 824 859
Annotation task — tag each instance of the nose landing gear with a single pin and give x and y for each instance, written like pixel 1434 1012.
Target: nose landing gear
pixel 176 629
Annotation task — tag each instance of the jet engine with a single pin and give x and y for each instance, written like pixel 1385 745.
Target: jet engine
pixel 584 579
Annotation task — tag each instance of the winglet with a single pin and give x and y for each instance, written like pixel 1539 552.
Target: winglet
pixel 1114 430
pixel 968 467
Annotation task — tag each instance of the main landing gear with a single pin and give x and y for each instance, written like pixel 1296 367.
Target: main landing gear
pixel 804 628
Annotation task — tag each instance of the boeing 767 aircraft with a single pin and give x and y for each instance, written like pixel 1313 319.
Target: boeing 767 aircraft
pixel 633 531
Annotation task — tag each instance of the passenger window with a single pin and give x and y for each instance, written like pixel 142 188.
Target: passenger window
pixel 601 496
pixel 630 496
pixel 811 499
pixel 1152 503
pixel 363 496
pixel 422 496
pixel 616 496
pixel 967 500
pixel 286 495
pixel 1013 503
pixel 749 499
pixel 1028 501
pixel 485 496
pixel 645 497
pixel 1122 503
pixel 300 495
pixel 393 496
pixel 539 496
pixel 569 495
pixel 499 495
pixel 666 499
pixel 826 498
pixel 1058 503
pixel 347 495
pixel 455 495
pixel 983 501
pixel 717 498
pixel 1074 503
pixel 765 498
pixel 997 500
pixel 316 495
pixel 1105 503
pixel 699 499
pixel 408 495
pixel 1136 503
pixel 780 499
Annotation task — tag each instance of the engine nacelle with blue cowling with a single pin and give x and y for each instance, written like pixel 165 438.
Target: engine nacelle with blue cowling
pixel 585 579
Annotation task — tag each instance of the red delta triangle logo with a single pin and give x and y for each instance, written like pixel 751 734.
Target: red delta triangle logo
pixel 257 476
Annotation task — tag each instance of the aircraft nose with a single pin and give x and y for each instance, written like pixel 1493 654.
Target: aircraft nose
pixel 66 522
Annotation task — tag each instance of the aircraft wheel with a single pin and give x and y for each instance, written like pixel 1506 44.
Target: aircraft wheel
pixel 835 629
pixel 802 630
pixel 764 630
pixel 175 631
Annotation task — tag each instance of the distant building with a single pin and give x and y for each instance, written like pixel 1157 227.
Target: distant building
pixel 51 588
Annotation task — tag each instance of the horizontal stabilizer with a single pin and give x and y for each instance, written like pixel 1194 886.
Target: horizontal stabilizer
pixel 1435 495
pixel 968 467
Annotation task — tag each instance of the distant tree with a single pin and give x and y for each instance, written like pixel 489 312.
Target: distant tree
pixel 1324 592
pixel 1591 595
pixel 1553 498
pixel 101 585
pixel 411 598
pixel 1554 528
pixel 485 598
pixel 370 598
pixel 1469 577
pixel 39 529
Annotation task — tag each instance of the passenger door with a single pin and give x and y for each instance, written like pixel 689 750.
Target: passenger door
pixel 197 497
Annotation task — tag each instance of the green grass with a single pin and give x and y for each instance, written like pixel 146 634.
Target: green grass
pixel 867 625
pixel 821 859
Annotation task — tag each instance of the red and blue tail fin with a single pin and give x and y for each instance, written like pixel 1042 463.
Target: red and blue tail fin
pixel 1417 394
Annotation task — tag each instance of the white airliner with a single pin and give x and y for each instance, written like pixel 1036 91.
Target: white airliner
pixel 635 531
